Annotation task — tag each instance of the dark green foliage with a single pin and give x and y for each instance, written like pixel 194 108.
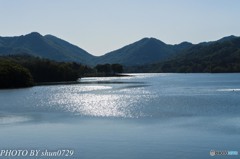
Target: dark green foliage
pixel 43 70
pixel 109 69
pixel 106 68
pixel 48 46
pixel 145 51
pixel 213 57
pixel 13 75
pixel 146 55
pixel 221 56
pixel 117 68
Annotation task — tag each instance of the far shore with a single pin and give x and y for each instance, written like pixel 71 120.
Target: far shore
pixel 78 81
pixel 71 82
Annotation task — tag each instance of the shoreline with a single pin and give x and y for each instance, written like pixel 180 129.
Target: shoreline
pixel 56 83
pixel 95 82
pixel 78 81
pixel 67 82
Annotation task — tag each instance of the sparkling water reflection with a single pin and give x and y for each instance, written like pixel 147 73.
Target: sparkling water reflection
pixel 142 95
pixel 142 116
pixel 105 101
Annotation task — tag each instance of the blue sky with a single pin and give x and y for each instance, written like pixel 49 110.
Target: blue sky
pixel 100 26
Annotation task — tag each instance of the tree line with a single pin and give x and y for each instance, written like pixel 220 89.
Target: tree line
pixel 109 69
pixel 217 57
pixel 13 75
pixel 25 70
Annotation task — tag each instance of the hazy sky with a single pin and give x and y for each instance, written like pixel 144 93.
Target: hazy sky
pixel 100 26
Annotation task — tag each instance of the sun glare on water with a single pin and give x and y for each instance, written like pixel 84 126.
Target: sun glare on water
pixel 98 100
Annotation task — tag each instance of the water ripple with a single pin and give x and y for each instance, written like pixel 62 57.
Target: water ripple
pixel 103 101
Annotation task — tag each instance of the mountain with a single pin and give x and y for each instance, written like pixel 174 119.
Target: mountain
pixel 47 46
pixel 144 51
pixel 145 55
pixel 218 56
pixel 227 38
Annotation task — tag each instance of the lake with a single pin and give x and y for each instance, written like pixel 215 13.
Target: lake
pixel 142 116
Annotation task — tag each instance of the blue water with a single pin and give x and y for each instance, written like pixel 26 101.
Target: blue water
pixel 144 116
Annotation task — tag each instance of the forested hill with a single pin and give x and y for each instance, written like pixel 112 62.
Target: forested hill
pixel 144 51
pixel 24 71
pixel 47 46
pixel 219 56
pixel 145 55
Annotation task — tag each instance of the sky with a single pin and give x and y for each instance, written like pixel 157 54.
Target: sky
pixel 101 26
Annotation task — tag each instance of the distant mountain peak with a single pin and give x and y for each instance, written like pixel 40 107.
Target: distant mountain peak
pixel 33 34
pixel 227 38
pixel 49 35
pixel 145 51
pixel 185 43
pixel 152 40
pixel 231 36
pixel 48 46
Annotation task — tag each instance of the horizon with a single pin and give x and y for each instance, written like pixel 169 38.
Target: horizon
pixel 101 27
pixel 120 46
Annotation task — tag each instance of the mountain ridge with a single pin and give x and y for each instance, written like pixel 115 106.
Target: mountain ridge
pixel 222 56
pixel 146 50
pixel 44 46
pixel 142 52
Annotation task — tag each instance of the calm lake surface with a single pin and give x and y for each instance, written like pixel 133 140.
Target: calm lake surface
pixel 144 116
